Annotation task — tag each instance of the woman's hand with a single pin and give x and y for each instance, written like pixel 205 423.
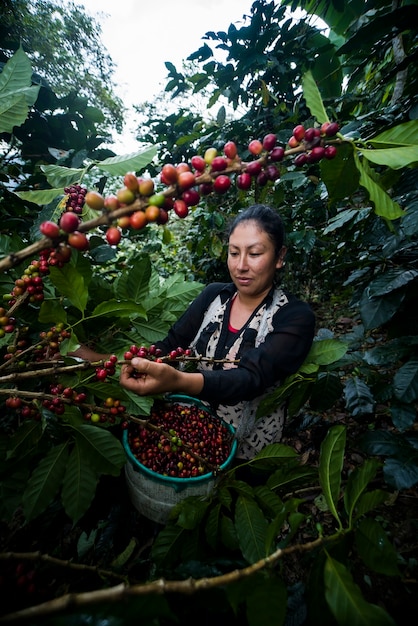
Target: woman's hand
pixel 146 378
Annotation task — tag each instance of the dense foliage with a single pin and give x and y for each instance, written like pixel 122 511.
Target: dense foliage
pixel 310 529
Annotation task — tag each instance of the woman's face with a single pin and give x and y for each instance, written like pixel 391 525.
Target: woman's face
pixel 252 260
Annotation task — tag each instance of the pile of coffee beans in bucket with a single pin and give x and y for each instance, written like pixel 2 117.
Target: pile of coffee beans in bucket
pixel 187 442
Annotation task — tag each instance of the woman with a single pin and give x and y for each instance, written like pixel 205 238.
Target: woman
pixel 260 333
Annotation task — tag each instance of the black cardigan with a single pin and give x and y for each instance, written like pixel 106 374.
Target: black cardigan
pixel 281 354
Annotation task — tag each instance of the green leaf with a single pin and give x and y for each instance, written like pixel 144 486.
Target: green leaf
pixel 275 451
pixel 104 452
pixel 43 196
pixel 396 158
pixel 118 309
pixel 168 543
pixel 330 466
pixel 71 284
pixel 383 203
pixel 251 527
pixel 52 312
pixel 24 440
pixel 17 93
pixel 79 484
pixel 346 601
pixel 401 473
pixel 371 500
pixel 375 549
pixel 359 399
pixel 403 134
pixel 313 98
pixel 357 483
pixel 406 382
pixel 133 162
pixel 340 175
pixel 61 176
pixel 45 481
pixel 393 278
pixel 326 351
pixel 135 284
pixel 377 311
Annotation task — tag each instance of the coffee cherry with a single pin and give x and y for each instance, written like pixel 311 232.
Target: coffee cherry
pixel 255 147
pixel 50 229
pixel 293 142
pixel 191 197
pixel 210 154
pixel 198 163
pixel 244 181
pixel 152 213
pixel 221 184
pixel 299 132
pixel 162 217
pixel 219 164
pixel 186 180
pixel 138 220
pixel 69 222
pixel 146 187
pixel 205 189
pixel 94 200
pixel 301 159
pixel 113 235
pixel 269 142
pixel 111 203
pixel 330 152
pixel 125 196
pixel 311 134
pixel 316 154
pixel 230 150
pixel 130 181
pixel 332 129
pixel 253 168
pixel 169 174
pixel 181 209
pixel 272 172
pixel 277 154
pixel 78 240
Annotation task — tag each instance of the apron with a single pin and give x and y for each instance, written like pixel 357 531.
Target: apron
pixel 252 434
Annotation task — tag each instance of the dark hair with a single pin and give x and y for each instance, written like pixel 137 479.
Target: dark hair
pixel 267 220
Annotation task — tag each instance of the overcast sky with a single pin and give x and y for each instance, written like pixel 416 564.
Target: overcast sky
pixel 141 36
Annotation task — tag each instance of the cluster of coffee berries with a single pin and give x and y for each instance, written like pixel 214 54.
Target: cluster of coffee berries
pixel 155 354
pixel 76 197
pixel 107 369
pixel 7 322
pixel 188 431
pixel 113 409
pixel 16 349
pixel 314 143
pixel 181 186
pixel 50 342
pixel 30 282
pixel 55 404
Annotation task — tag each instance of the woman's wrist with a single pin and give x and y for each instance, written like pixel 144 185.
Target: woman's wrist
pixel 189 382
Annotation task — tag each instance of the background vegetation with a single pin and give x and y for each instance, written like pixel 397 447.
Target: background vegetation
pixel 329 528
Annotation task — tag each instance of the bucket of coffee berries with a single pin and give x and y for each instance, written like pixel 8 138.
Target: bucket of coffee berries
pixel 179 453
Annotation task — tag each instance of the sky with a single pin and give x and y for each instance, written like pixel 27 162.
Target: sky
pixel 140 36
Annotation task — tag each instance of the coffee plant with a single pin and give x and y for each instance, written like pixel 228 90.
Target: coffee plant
pixel 63 419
